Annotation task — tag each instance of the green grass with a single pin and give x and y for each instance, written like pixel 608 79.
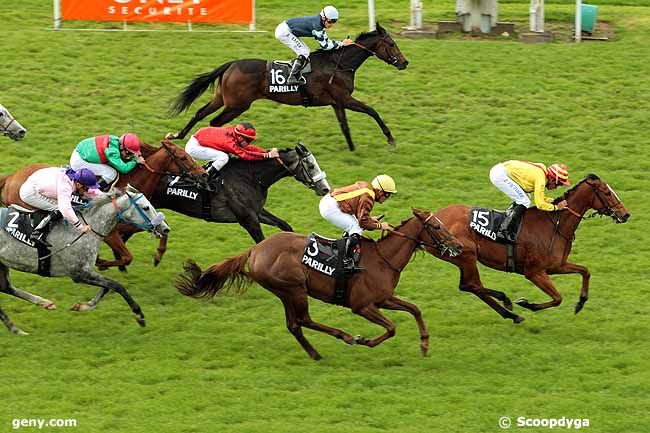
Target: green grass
pixel 230 365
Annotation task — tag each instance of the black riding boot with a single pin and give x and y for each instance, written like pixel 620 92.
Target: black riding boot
pixel 297 67
pixel 352 253
pixel 43 228
pixel 103 185
pixel 508 226
pixel 213 177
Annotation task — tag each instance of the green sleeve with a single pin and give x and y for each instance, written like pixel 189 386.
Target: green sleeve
pixel 114 159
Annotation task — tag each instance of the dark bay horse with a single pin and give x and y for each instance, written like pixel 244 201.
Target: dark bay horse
pixel 331 82
pixel 241 199
pixel 168 159
pixel 542 249
pixel 275 264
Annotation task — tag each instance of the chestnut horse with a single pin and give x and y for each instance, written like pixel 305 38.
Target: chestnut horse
pixel 542 248
pixel 276 265
pixel 168 159
pixel 331 82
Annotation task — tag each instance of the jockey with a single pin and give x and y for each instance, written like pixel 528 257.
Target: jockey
pixel 51 189
pixel 105 155
pixel 349 209
pixel 518 178
pixel 214 144
pixel 290 30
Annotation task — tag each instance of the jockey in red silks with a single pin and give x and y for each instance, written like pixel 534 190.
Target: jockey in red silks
pixel 215 144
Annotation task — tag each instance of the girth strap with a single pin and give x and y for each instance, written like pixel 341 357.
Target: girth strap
pixel 341 286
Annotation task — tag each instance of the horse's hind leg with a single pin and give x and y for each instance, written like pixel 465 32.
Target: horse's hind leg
pixel 291 305
pixel 203 112
pixel 267 217
pixel 572 268
pixel 228 114
pixel 394 303
pixel 499 296
pixel 11 326
pixel 8 288
pixel 543 281
pixel 94 279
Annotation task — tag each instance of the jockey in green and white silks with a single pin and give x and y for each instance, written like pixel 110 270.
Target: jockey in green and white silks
pixel 106 155
pixel 288 32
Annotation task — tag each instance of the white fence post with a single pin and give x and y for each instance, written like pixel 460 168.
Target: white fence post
pixel 57 14
pixel 371 15
pixel 578 20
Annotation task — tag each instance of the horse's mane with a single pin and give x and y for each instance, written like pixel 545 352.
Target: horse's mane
pixel 362 36
pixel 147 149
pixel 568 193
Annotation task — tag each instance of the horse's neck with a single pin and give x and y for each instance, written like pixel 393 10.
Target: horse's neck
pixel 396 249
pixel 346 58
pixel 267 172
pixel 580 201
pixel 102 217
pixel 141 178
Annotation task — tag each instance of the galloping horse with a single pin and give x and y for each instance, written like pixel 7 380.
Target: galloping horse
pixel 241 200
pixel 10 126
pixel 331 82
pixel 542 248
pixel 73 254
pixel 168 159
pixel 276 265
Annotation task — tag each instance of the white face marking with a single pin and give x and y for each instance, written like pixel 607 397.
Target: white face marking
pixel 614 192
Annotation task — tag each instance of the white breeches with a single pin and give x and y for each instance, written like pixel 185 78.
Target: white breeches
pixel 196 151
pixel 329 209
pixel 105 171
pixel 284 35
pixel 30 195
pixel 500 179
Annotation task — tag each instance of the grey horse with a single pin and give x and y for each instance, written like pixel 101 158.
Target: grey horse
pixel 10 126
pixel 74 254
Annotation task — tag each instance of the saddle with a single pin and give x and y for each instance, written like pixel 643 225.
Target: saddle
pixel 179 188
pixel 20 222
pixel 326 256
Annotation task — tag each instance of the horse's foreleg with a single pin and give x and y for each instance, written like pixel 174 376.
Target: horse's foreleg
pixel 114 240
pixel 204 111
pixel 543 281
pixel 268 218
pixel 372 313
pixel 394 303
pixel 160 251
pixel 572 268
pixel 356 105
pixel 94 279
pixel 343 122
pixel 251 223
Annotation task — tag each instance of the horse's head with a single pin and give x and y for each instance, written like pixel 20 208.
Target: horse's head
pixel 134 208
pixel 606 201
pixel 302 165
pixel 170 159
pixel 381 44
pixel 10 126
pixel 435 236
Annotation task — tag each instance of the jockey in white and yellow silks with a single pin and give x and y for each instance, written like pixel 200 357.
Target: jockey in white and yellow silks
pixel 349 209
pixel 517 179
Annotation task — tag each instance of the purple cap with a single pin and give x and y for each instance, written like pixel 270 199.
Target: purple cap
pixel 87 178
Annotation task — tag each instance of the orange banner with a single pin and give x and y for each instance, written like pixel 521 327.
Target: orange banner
pixel 196 11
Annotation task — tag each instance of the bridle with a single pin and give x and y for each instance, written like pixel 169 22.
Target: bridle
pixel 173 158
pixel 439 244
pixel 301 173
pixel 392 60
pixel 5 128
pixel 606 210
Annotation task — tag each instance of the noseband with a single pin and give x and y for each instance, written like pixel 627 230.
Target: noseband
pixel 300 169
pixel 5 128
pixel 392 60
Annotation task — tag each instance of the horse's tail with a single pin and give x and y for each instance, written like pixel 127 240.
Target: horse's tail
pixel 196 88
pixel 230 273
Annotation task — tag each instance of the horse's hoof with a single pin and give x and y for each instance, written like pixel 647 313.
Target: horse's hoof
pixel 81 306
pixel 578 307
pixel 358 339
pixel 170 136
pixel 315 356
pixel 18 331
pixel 424 350
pixel 518 319
pixel 156 262
pixel 140 319
pixel 50 306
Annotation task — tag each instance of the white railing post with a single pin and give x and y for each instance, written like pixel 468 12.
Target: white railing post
pixel 371 15
pixel 57 14
pixel 578 36
pixel 251 26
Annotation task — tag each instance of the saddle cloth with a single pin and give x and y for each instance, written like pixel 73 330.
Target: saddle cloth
pixel 322 254
pixel 20 223
pixel 486 222
pixel 278 73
